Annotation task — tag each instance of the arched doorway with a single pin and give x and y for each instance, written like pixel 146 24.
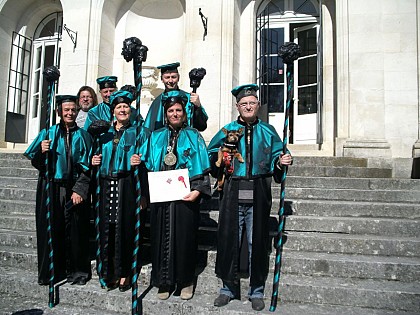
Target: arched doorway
pixel 280 21
pixel 46 52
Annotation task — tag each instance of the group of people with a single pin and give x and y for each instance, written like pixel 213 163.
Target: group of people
pixel 92 156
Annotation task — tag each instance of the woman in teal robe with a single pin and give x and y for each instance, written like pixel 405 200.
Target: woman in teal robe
pixel 174 224
pixel 117 200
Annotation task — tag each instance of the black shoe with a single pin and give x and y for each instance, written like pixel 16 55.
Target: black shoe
pixel 221 300
pixel 112 286
pixel 257 304
pixel 124 287
pixel 80 281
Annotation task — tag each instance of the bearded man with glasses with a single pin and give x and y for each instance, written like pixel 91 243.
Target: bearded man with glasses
pixel 86 99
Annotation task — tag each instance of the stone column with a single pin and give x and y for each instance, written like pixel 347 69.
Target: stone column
pixel 361 106
pixel 342 78
pixel 416 146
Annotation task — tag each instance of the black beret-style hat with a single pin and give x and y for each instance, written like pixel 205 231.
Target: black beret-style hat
pixel 60 99
pixel 170 67
pixel 245 90
pixel 172 97
pixel 120 97
pixel 107 82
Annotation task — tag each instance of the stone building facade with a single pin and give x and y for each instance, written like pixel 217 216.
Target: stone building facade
pixel 356 84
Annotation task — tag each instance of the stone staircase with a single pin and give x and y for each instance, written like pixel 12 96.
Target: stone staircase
pixel 351 246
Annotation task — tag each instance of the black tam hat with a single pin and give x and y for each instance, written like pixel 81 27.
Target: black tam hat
pixel 60 99
pixel 170 67
pixel 107 82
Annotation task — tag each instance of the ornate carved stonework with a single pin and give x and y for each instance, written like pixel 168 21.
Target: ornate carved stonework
pixel 149 79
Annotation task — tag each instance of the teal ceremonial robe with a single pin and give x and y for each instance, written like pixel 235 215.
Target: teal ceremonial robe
pixel 260 146
pixel 68 165
pixel 174 225
pixel 117 200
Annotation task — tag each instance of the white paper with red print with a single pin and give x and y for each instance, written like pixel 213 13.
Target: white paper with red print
pixel 168 185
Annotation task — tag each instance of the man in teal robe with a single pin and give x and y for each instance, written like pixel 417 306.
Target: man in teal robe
pixel 246 196
pixel 67 147
pixel 196 115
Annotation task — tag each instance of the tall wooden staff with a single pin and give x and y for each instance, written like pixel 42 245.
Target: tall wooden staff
pixel 289 52
pixel 51 74
pixel 134 50
pixel 196 75
pixel 96 128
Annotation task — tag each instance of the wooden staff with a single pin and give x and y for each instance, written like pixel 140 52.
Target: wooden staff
pixel 96 128
pixel 289 52
pixel 134 50
pixel 51 74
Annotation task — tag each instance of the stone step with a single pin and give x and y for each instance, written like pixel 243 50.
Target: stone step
pixel 18 305
pixel 17 207
pixel 16 163
pixel 353 183
pixel 395 227
pixel 388 295
pixel 352 244
pixel 18 182
pixel 17 194
pixel 339 266
pixel 17 239
pixel 18 222
pixel 351 266
pixel 333 161
pixel 200 304
pixel 404 269
pixel 19 172
pixel 12 155
pixel 390 196
pixel 341 171
pixel 368 184
pixel 297 207
pixel 298 241
pixel 346 225
pixel 333 208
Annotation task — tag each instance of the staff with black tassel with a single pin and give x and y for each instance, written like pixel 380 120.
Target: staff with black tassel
pixel 96 129
pixel 196 75
pixel 51 74
pixel 134 50
pixel 289 52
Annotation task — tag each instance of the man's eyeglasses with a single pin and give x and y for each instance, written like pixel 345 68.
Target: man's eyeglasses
pixel 85 97
pixel 244 104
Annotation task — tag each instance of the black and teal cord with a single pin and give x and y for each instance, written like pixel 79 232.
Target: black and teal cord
pixel 51 74
pixel 48 203
pixel 289 52
pixel 134 50
pixel 99 264
pixel 134 266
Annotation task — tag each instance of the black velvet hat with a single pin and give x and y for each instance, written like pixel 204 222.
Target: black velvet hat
pixel 120 97
pixel 170 67
pixel 245 90
pixel 60 99
pixel 107 82
pixel 173 97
